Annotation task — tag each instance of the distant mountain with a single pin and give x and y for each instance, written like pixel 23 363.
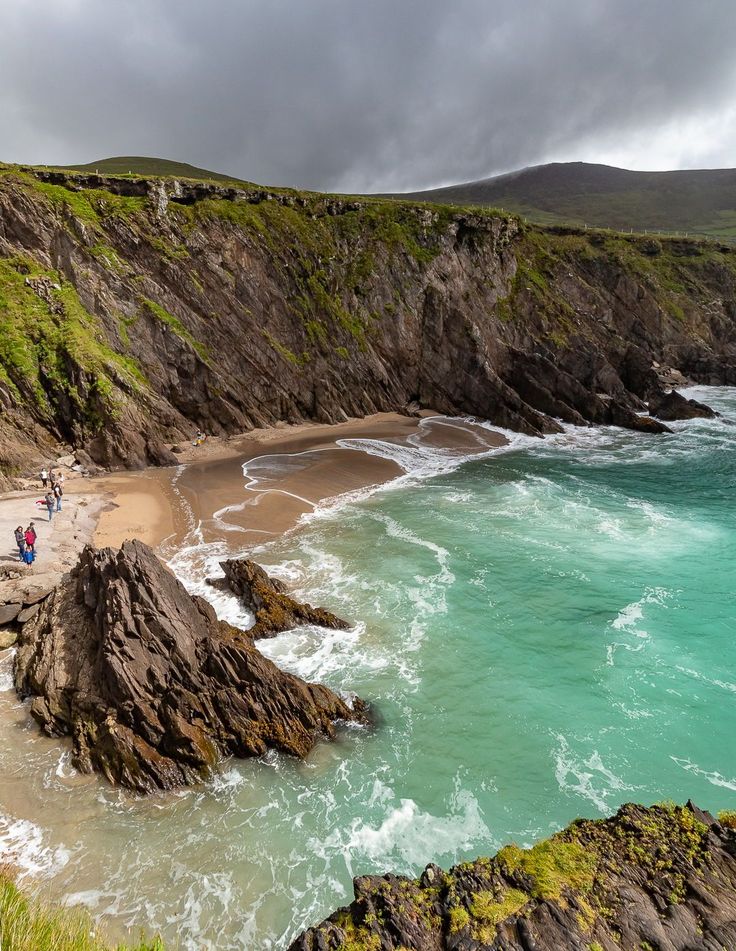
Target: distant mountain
pixel 144 165
pixel 701 201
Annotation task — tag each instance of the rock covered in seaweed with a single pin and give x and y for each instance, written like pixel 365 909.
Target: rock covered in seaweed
pixel 151 687
pixel 266 598
pixel 660 878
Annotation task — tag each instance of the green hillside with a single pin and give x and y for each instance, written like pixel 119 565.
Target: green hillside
pixel 143 165
pixel 701 201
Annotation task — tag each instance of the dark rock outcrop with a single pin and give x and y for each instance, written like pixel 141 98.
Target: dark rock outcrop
pixel 662 878
pixel 266 598
pixel 674 405
pixel 151 687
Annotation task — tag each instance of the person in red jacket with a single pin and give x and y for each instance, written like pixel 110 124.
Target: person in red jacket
pixel 31 538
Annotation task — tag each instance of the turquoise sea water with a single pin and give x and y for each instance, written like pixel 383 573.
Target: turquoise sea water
pixel 544 633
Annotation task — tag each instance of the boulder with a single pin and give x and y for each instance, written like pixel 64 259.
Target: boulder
pixel 152 688
pixel 674 405
pixel 9 612
pixel 35 595
pixel 266 598
pixel 30 612
pixel 628 419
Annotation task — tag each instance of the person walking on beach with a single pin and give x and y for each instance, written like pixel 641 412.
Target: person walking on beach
pixel 44 476
pixel 30 537
pixel 20 541
pixel 58 492
pixel 49 500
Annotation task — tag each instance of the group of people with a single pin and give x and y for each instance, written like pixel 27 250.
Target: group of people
pixel 26 542
pixel 55 485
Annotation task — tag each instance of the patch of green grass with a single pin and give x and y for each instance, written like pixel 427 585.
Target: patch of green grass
pixel 487 911
pixel 108 257
pixel 727 818
pixel 176 326
pixel 30 924
pixel 485 907
pixel 288 355
pixel 552 865
pixel 171 251
pixel 459 918
pixel 90 205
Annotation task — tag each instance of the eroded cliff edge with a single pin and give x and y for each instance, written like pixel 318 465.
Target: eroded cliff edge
pixel 136 310
pixel 661 878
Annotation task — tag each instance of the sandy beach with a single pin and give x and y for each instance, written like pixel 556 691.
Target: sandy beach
pixel 256 485
pixel 289 470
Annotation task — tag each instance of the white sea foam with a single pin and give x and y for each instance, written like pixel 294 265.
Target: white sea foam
pixel 6 670
pixel 629 618
pixel 406 834
pixel 25 845
pixel 588 777
pixel 713 777
pixel 712 681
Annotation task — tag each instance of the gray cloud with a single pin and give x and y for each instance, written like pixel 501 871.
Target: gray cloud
pixel 379 95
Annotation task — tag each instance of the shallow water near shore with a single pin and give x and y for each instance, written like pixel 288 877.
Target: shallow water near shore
pixel 544 632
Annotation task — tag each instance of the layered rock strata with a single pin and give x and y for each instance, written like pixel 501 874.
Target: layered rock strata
pixel 152 689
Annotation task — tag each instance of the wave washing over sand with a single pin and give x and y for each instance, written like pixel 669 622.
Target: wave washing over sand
pixel 544 630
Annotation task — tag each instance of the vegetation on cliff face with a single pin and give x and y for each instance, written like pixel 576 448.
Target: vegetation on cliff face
pixel 157 306
pixel 645 878
pixel 32 924
pixel 54 356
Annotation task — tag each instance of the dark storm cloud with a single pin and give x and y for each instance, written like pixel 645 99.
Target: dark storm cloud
pixel 368 94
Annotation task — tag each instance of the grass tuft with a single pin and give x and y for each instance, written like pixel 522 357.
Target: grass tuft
pixel 30 924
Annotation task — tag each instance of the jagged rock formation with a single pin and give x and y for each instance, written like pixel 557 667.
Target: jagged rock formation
pixel 151 687
pixel 266 598
pixel 662 878
pixel 139 310
pixel 673 405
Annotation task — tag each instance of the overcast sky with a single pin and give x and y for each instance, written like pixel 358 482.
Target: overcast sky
pixel 363 95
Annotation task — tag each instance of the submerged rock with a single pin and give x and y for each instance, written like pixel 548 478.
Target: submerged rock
pixel 151 687
pixel 266 598
pixel 661 878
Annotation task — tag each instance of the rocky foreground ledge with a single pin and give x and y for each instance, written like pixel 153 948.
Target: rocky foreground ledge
pixel 658 879
pixel 153 689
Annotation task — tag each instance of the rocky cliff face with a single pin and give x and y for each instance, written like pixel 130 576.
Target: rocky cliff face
pixel 135 311
pixel 151 687
pixel 662 878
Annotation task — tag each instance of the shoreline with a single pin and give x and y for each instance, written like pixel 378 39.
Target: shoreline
pixel 260 484
pixel 242 491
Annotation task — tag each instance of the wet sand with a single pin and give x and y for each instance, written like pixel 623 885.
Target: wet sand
pixel 288 472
